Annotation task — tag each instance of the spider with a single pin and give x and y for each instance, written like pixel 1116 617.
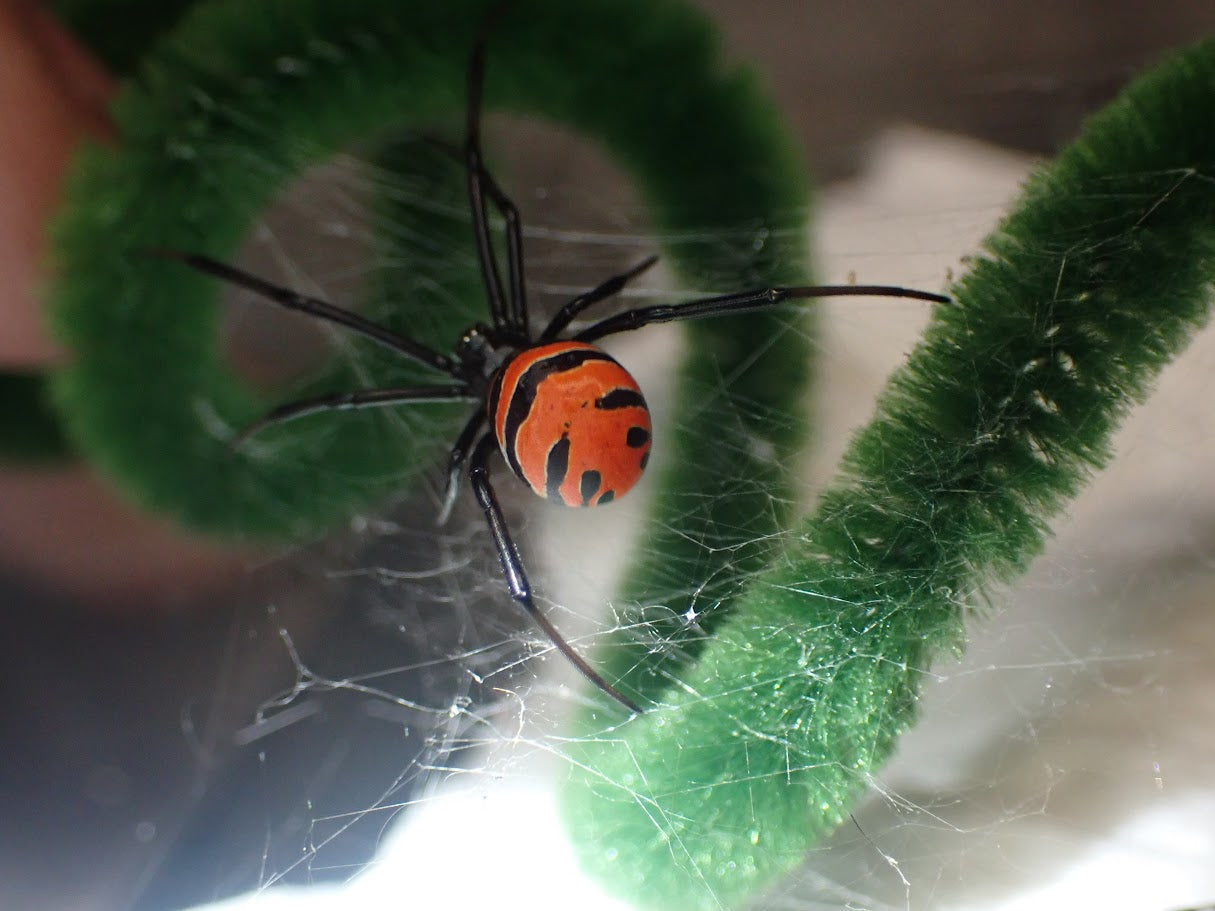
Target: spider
pixel 569 420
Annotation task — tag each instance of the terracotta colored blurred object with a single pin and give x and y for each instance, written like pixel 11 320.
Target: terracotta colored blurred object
pixel 52 95
pixel 62 528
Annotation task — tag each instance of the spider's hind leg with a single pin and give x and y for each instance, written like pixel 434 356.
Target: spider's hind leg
pixel 512 568
pixel 353 401
pixel 455 464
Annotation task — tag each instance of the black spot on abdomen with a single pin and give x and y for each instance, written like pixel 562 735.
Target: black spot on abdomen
pixel 556 467
pixel 589 485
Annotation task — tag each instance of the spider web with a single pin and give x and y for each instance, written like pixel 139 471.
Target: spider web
pixel 398 723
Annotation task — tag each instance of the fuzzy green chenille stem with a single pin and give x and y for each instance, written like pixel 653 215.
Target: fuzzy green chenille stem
pixel 763 731
pixel 1099 276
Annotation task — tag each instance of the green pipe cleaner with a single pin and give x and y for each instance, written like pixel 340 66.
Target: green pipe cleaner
pixel 1098 277
pixel 763 733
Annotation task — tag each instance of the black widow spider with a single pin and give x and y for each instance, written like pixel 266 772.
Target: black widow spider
pixel 568 419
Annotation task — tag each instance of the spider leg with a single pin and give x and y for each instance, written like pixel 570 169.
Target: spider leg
pixel 455 463
pixel 350 401
pixel 514 249
pixel 508 312
pixel 315 307
pixel 742 302
pixel 605 289
pixel 512 568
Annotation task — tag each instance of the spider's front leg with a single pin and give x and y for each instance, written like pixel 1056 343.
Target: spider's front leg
pixel 314 307
pixel 512 568
pixel 509 308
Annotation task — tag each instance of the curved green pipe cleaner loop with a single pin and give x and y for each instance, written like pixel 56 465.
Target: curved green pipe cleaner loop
pixel 248 95
pixel 1100 275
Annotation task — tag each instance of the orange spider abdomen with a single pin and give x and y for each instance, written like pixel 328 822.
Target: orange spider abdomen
pixel 571 422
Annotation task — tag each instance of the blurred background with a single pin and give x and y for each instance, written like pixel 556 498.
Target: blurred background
pixel 265 718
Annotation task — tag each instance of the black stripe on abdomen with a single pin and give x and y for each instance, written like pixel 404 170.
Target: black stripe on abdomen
pixel 620 398
pixel 520 405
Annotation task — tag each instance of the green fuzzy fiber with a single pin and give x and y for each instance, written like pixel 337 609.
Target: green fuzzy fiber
pixel 1099 276
pixel 244 96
